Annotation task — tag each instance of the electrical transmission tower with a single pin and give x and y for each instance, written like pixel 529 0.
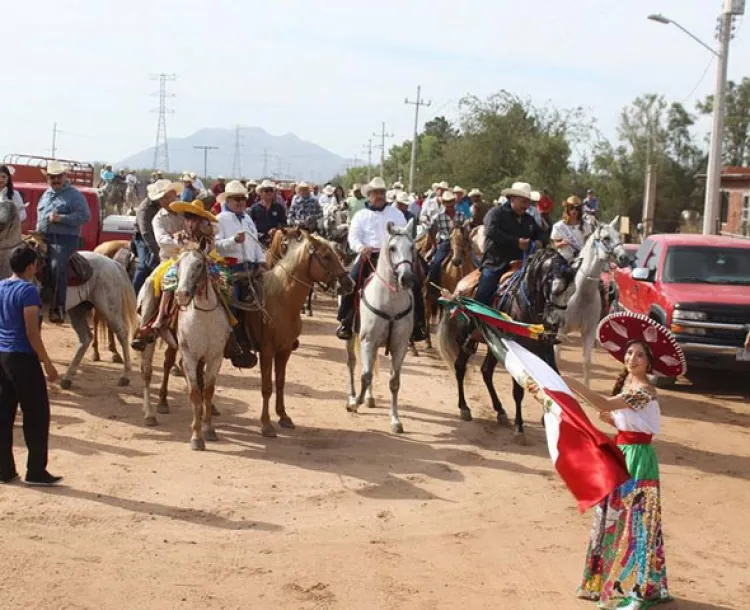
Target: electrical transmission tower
pixel 161 148
pixel 382 135
pixel 237 163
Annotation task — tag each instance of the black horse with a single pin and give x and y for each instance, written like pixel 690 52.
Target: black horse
pixel 539 296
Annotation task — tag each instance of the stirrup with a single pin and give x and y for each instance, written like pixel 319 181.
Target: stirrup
pixel 244 305
pixel 166 334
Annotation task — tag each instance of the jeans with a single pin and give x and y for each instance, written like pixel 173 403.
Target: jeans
pixel 59 250
pixel 147 262
pixel 359 272
pixel 22 383
pixel 442 252
pixel 488 281
pixel 238 293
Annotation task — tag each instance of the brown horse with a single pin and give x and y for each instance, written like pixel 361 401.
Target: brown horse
pixel 275 330
pixel 110 249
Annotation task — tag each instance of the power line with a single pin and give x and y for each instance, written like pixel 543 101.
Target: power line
pixel 416 104
pixel 237 163
pixel 161 148
pixel 382 135
pixel 205 150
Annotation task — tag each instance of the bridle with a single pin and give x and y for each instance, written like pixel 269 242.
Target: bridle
pixel 201 285
pixel 607 252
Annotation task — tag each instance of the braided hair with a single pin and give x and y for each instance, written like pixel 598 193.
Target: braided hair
pixel 623 376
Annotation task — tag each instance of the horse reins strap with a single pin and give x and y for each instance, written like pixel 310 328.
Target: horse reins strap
pixel 391 319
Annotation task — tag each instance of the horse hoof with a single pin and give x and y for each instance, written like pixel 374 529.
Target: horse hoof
pixel 162 408
pixel 95 357
pixel 66 384
pixel 116 358
pixel 123 381
pixel 214 411
pixel 268 431
pixel 519 438
pixel 210 434
pixel 309 314
pixel 197 444
pixel 502 419
pixel 177 372
pixel 150 421
pixel 370 403
pixel 466 415
pixel 352 408
pixel 397 428
pixel 286 422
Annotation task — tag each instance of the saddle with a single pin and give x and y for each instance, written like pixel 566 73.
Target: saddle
pixel 467 287
pixel 251 290
pixel 124 257
pixel 79 270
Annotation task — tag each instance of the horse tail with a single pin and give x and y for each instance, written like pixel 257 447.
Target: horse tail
pixel 129 303
pixel 447 340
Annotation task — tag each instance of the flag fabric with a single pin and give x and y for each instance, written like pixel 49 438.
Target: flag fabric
pixel 469 308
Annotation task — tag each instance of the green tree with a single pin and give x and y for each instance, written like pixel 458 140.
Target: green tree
pixel 736 122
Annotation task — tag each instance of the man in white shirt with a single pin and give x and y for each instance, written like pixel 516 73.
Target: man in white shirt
pixel 367 233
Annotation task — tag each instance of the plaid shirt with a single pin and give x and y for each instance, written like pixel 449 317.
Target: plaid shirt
pixel 303 209
pixel 443 224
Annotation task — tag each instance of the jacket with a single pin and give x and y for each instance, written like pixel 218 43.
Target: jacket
pixel 70 204
pixel 144 218
pixel 502 230
pixel 166 225
pixel 248 251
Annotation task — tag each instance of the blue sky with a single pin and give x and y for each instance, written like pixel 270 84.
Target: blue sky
pixel 331 71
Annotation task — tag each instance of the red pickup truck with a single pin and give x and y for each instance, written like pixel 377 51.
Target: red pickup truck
pixel 699 287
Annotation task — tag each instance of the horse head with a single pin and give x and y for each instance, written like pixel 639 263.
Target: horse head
pixel 325 267
pixel 192 275
pixel 550 281
pixel 609 245
pixel 459 245
pixel 399 250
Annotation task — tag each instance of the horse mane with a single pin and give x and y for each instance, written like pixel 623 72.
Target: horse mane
pixel 534 285
pixel 276 280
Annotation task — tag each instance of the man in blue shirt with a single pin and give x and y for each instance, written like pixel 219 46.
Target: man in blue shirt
pixel 22 354
pixel 189 191
pixel 591 203
pixel 268 214
pixel 61 213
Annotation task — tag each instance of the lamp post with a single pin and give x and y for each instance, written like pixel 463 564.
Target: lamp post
pixel 713 175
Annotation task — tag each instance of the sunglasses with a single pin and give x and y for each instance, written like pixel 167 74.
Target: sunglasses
pixel 266 190
pixel 237 198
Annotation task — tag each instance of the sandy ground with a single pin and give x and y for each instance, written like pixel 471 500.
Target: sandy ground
pixel 339 513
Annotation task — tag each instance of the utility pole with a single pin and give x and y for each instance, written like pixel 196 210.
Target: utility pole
pixel 205 150
pixel 161 148
pixel 265 163
pixel 237 162
pixel 416 104
pixel 382 135
pixel 369 157
pixel 54 140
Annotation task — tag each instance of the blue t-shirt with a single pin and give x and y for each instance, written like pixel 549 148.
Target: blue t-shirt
pixel 15 296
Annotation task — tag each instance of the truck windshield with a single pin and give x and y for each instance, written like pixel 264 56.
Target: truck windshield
pixel 704 265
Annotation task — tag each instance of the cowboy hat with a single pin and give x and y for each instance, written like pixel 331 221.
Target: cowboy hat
pixel 403 198
pixel 186 177
pixel 194 208
pixel 519 189
pixel 329 190
pixel 535 196
pixel 398 185
pixel 475 193
pixel 448 196
pixel 250 183
pixel 356 187
pixel 265 184
pixel 55 168
pixel 303 185
pixel 376 184
pixel 618 330
pixel 233 189
pixel 442 185
pixel 158 189
pixel 457 189
pixel 573 201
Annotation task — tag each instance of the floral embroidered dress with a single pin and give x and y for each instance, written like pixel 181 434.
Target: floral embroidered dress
pixel 625 565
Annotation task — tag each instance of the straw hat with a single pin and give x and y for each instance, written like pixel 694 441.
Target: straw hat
pixel 158 189
pixel 329 190
pixel 266 184
pixel 398 186
pixel 573 201
pixel 475 193
pixel 233 189
pixel 194 208
pixel 519 189
pixel 442 185
pixel 535 196
pixel 356 187
pixel 55 168
pixel 403 198
pixel 448 197
pixel 303 185
pixel 457 189
pixel 376 184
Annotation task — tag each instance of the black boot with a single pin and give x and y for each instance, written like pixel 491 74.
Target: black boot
pixel 238 349
pixel 419 333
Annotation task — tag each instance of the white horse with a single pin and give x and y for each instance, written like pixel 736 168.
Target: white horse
pixel 386 315
pixel 109 292
pixel 202 333
pixel 585 306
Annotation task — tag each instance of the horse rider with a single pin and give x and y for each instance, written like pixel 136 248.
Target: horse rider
pixel 591 203
pixel 396 188
pixel 463 202
pixel 61 212
pixel 366 237
pixel 508 233
pixel 237 241
pixel 432 205
pixel 219 186
pixel 402 203
pixel 545 206
pixel 441 226
pixel 189 191
pixel 568 234
pixel 268 214
pixel 356 203
pixel 159 195
pixel 305 210
pixel 106 175
pixel 478 207
pixel 197 182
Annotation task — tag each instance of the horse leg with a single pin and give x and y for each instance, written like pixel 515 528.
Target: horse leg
pixel 79 321
pixel 170 355
pixel 367 355
pixel 413 349
pixel 210 372
pixel 122 337
pixel 351 363
pixel 488 370
pixel 147 369
pixel 459 368
pixel 394 384
pixel 194 376
pixel 280 361
pixel 519 436
pixel 112 346
pixel 309 302
pixel 589 339
pixel 95 357
pixel 266 372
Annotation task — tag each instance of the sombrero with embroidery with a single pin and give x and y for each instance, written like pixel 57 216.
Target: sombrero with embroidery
pixel 618 330
pixel 195 208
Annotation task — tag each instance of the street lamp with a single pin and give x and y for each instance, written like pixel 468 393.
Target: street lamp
pixel 713 175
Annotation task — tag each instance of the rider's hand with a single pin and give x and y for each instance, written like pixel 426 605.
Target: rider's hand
pixel 538 244
pixel 51 372
pixel 365 252
pixel 240 237
pixel 523 243
pixel 53 217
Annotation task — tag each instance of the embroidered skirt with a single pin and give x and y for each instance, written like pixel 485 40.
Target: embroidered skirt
pixel 165 277
pixel 625 565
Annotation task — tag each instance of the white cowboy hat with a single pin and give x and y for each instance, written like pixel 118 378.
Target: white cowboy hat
pixel 55 168
pixel 186 177
pixel 193 175
pixel 356 187
pixel 220 178
pixel 448 196
pixel 457 189
pixel 329 190
pixel 398 185
pixel 233 189
pixel 303 185
pixel 442 185
pixel 390 196
pixel 535 196
pixel 403 198
pixel 519 189
pixel 266 184
pixel 376 184
pixel 475 193
pixel 158 189
pixel 434 185
pixel 501 200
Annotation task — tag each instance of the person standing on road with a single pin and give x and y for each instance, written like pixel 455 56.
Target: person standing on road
pixel 9 193
pixel 22 356
pixel 61 212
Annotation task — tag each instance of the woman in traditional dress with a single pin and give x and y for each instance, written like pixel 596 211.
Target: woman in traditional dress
pixel 625 565
pixel 568 234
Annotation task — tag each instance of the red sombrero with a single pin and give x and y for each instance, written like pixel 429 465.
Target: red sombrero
pixel 618 329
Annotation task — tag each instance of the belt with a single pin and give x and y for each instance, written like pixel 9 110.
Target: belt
pixel 633 438
pixel 232 261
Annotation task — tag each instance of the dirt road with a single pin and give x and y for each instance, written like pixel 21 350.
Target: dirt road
pixel 340 513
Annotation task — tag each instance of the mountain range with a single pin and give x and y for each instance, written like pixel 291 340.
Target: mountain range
pixel 261 155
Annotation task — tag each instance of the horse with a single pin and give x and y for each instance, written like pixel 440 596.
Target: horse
pixel 585 306
pixel 276 328
pixel 386 318
pixel 202 331
pixel 539 295
pixel 278 248
pixel 107 291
